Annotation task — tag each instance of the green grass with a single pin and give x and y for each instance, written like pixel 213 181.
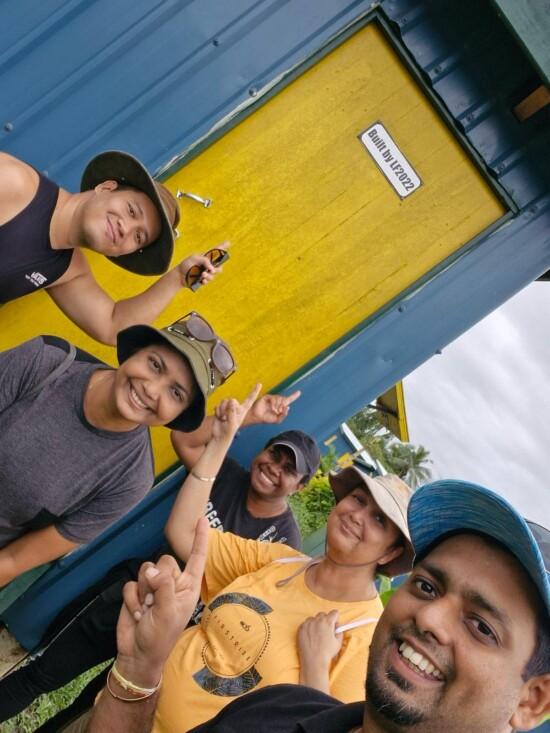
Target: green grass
pixel 45 706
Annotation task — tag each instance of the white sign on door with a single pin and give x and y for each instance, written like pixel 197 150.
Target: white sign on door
pixel 390 159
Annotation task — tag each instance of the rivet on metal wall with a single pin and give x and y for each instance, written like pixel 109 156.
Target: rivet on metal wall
pixel 437 70
pixel 216 41
pixel 8 127
pixel 401 309
pixel 470 118
pixel 404 19
pixel 501 168
pixel 253 91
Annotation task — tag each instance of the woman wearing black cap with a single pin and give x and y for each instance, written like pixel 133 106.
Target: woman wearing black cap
pixel 272 614
pixel 75 450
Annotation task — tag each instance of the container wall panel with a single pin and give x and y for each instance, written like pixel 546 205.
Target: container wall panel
pixel 154 78
pixel 148 77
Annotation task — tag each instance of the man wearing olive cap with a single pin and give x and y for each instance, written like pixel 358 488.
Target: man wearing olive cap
pixel 249 503
pixel 120 212
pixel 75 449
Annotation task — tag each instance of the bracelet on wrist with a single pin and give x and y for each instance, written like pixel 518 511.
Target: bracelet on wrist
pixel 203 478
pixel 136 690
pixel 135 697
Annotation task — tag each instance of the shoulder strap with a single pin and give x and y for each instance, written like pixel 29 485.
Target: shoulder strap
pixel 65 364
pixel 355 624
pixel 294 558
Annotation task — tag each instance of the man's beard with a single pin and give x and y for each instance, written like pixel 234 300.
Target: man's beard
pixel 380 697
pixel 380 693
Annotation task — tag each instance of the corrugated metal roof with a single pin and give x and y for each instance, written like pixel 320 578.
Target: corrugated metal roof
pixel 148 77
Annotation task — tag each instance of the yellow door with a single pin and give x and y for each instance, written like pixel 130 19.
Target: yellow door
pixel 320 238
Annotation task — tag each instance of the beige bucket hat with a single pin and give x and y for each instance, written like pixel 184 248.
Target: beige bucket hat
pixel 392 496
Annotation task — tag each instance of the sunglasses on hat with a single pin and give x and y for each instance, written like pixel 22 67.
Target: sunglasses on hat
pixel 194 326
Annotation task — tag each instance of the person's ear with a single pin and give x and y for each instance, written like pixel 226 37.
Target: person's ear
pixel 534 703
pixel 106 186
pixel 390 555
pixel 301 485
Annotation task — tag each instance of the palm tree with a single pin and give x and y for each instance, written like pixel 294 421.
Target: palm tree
pixel 408 461
pixel 367 428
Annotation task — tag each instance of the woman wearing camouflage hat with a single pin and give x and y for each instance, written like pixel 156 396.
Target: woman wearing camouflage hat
pixel 75 449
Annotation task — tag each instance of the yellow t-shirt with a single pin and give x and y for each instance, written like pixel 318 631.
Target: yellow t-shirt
pixel 247 636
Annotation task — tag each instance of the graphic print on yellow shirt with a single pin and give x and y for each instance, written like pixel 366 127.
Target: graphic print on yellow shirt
pixel 247 635
pixel 238 623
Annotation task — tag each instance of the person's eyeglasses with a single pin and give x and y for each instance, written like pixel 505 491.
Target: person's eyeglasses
pixel 194 326
pixel 193 277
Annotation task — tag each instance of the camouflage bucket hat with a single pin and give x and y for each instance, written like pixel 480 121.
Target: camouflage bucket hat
pixel 199 353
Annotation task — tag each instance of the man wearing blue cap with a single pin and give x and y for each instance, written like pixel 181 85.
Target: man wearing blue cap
pixel 463 645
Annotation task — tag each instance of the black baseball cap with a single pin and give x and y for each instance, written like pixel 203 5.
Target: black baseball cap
pixel 304 448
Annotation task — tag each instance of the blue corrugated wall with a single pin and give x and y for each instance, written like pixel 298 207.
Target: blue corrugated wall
pixel 154 78
pixel 470 59
pixel 148 77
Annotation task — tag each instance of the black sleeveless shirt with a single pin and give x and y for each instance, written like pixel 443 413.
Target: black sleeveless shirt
pixel 27 261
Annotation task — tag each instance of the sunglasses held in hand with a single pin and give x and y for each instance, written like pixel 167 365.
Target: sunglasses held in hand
pixel 216 256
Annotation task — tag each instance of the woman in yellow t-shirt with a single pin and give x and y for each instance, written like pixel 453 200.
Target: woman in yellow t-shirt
pixel 272 614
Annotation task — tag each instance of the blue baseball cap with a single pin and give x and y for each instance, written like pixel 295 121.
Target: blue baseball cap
pixel 450 506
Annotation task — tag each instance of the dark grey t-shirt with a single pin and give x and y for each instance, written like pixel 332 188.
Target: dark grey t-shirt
pixel 55 467
pixel 227 510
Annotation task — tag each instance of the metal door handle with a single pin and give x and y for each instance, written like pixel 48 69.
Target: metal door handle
pixel 199 199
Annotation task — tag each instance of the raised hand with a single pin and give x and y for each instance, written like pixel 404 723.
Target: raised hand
pixel 201 263
pixel 230 413
pixel 158 607
pixel 271 408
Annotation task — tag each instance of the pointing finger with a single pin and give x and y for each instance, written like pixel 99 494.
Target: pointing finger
pixel 292 397
pixel 249 401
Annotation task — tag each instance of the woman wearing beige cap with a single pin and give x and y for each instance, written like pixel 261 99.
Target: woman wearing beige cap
pixel 272 614
pixel 75 449
pixel 367 534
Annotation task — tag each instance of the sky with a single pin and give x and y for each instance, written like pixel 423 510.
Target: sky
pixel 482 407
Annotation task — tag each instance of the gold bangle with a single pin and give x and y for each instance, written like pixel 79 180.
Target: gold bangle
pixel 202 478
pixel 130 686
pixel 136 696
